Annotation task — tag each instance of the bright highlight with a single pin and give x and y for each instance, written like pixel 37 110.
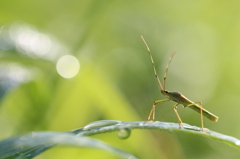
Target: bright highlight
pixel 68 66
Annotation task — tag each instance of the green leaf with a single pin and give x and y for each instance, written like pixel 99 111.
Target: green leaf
pixel 29 146
pixel 111 125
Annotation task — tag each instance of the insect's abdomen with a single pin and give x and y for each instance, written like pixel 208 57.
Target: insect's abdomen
pixel 185 102
pixel 206 113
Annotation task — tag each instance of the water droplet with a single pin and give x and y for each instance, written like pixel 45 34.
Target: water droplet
pixel 124 133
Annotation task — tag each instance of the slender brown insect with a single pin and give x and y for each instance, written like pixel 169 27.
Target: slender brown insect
pixel 177 97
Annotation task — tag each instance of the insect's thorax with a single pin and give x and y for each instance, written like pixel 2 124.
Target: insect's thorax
pixel 176 97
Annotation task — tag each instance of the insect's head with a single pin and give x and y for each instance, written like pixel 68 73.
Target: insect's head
pixel 166 93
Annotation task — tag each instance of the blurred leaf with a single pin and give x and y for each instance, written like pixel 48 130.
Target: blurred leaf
pixel 29 146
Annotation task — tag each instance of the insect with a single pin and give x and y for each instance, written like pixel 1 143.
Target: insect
pixel 177 97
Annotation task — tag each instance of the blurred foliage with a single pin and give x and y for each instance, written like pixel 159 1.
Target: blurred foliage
pixel 29 146
pixel 115 80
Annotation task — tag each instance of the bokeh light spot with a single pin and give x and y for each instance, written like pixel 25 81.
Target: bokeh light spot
pixel 68 66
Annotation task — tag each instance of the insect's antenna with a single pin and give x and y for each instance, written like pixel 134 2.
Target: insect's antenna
pixel 165 74
pixel 153 64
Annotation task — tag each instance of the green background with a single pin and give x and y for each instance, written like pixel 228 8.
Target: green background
pixel 116 80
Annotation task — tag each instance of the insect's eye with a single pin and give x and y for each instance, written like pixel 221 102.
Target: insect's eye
pixel 166 91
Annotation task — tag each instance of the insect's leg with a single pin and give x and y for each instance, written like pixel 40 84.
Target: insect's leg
pixel 201 113
pixel 179 119
pixel 152 112
pixel 202 116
